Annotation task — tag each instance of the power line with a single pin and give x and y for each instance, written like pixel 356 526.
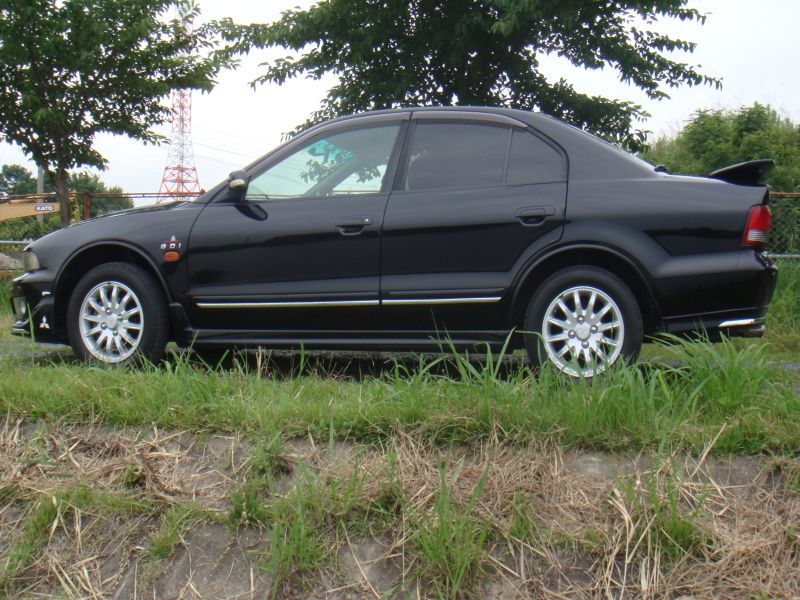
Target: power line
pixel 226 150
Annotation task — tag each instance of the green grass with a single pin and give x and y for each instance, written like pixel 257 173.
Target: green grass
pixel 5 293
pixel 298 522
pixel 305 521
pixel 675 531
pixel 783 318
pixel 297 545
pixel 449 542
pixel 247 506
pixel 719 386
pixel 6 321
pixel 30 540
pixel 733 387
pixel 733 392
pixel 177 519
pixel 266 458
pixel 45 511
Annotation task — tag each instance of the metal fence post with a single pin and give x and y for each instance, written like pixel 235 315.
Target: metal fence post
pixel 87 205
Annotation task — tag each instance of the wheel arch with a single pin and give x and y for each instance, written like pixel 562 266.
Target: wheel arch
pixel 610 259
pixel 88 257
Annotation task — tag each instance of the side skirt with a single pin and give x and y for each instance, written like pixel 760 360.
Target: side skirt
pixel 356 340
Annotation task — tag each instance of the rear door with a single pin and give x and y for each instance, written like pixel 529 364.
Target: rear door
pixel 476 194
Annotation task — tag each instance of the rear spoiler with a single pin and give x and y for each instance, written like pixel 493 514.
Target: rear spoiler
pixel 746 173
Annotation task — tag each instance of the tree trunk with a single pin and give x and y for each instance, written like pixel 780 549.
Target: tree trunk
pixel 62 194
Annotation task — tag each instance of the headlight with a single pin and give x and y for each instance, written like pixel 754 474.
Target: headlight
pixel 19 307
pixel 29 261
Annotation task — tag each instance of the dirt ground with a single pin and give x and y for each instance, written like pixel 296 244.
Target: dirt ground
pixel 599 541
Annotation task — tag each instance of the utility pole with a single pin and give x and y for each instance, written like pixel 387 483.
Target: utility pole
pixel 40 190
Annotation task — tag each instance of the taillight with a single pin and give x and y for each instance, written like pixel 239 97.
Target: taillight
pixel 759 222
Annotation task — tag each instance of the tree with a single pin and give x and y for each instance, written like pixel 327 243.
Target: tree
pixel 389 53
pixel 91 182
pixel 713 139
pixel 15 179
pixel 71 69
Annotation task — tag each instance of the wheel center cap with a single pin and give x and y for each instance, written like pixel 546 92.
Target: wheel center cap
pixel 111 321
pixel 583 331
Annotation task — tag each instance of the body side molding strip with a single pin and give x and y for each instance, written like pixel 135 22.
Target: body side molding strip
pixel 309 303
pixel 329 303
pixel 473 300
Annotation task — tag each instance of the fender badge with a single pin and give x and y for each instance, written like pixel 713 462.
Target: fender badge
pixel 44 324
pixel 171 249
pixel 171 244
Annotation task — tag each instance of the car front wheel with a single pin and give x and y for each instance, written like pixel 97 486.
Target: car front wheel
pixel 583 320
pixel 117 313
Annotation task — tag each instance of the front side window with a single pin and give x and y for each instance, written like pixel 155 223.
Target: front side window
pixel 347 163
pixel 453 155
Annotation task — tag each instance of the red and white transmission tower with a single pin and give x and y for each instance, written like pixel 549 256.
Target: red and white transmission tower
pixel 180 174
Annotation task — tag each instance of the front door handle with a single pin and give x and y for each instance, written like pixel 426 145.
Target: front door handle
pixel 352 225
pixel 531 216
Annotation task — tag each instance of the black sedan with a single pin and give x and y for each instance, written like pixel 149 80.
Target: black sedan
pixel 416 229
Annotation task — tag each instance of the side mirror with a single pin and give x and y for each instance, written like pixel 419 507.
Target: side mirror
pixel 237 186
pixel 237 181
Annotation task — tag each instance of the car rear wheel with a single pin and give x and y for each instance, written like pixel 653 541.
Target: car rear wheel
pixel 583 321
pixel 116 315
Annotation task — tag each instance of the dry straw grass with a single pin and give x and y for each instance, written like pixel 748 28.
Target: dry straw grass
pixel 597 535
pixel 108 488
pixel 589 533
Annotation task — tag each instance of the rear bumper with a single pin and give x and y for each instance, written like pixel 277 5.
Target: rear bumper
pixel 715 326
pixel 748 321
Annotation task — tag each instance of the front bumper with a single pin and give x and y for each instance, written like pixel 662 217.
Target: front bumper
pixel 33 307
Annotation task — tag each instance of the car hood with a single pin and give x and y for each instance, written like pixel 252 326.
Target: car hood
pixel 116 221
pixel 138 210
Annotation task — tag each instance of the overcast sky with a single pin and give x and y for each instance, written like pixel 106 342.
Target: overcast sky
pixel 750 45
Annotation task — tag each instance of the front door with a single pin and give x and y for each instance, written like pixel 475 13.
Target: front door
pixel 301 251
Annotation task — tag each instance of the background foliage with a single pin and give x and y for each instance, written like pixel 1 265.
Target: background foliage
pixel 72 69
pixel 389 53
pixel 713 139
pixel 16 179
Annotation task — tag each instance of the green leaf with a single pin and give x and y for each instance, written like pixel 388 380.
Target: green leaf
pixel 481 52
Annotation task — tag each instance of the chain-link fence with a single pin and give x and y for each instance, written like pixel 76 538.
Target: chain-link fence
pixel 785 235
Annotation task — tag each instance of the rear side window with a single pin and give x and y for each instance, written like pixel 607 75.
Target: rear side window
pixel 456 155
pixel 453 155
pixel 532 160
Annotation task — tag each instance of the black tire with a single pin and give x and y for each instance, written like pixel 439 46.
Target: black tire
pixel 153 309
pixel 587 277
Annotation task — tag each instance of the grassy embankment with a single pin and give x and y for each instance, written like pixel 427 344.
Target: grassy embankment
pixel 439 447
pixel 735 386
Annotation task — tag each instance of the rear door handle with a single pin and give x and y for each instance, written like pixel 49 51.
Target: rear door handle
pixel 535 215
pixel 352 225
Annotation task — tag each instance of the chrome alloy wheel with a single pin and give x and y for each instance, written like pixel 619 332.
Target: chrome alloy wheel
pixel 111 321
pixel 583 331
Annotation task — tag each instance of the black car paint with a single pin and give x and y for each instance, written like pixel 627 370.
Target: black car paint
pixel 676 240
